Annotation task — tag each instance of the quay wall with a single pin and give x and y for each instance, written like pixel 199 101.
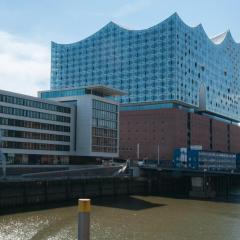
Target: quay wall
pixel 31 192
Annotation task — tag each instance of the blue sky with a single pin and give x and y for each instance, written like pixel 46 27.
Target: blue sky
pixel 28 26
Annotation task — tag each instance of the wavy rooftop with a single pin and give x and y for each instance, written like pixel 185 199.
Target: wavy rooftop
pixel 168 62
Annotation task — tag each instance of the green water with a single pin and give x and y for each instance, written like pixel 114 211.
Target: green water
pixel 133 217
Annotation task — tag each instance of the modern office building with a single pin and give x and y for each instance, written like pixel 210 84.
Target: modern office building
pixel 167 63
pixel 35 130
pixel 97 118
pixel 42 131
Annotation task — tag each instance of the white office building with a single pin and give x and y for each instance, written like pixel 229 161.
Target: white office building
pixel 59 129
pixel 97 118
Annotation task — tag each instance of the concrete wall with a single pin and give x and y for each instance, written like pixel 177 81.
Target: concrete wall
pixel 15 193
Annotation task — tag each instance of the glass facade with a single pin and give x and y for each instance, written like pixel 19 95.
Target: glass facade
pixel 34 135
pixel 34 125
pixel 62 93
pixel 136 107
pixel 105 127
pixel 35 146
pixel 33 104
pixel 33 114
pixel 70 93
pixel 167 62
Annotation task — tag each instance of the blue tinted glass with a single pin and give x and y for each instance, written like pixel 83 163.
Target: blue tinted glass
pixel 168 62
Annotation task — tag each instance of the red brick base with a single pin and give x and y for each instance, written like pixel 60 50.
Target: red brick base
pixel 173 128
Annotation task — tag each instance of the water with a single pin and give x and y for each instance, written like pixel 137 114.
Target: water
pixel 135 217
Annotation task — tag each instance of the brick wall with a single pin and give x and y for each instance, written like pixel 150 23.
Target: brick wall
pixel 169 129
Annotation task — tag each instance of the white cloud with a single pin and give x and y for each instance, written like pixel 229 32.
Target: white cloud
pixel 131 8
pixel 24 65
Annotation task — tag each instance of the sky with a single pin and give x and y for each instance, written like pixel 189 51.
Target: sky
pixel 27 28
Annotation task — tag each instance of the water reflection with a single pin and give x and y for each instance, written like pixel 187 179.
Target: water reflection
pixel 136 217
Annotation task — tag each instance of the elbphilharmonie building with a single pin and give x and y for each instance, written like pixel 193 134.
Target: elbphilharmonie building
pixel 169 63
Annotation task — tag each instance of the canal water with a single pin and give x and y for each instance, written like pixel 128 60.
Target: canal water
pixel 134 217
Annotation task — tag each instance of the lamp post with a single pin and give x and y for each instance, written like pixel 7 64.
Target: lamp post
pixel 158 155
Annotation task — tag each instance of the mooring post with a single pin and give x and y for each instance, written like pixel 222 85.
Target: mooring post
pixel 84 208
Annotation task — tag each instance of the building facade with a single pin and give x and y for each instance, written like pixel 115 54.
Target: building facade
pixel 97 118
pixel 34 130
pixel 167 63
pixel 172 127
pixel 59 127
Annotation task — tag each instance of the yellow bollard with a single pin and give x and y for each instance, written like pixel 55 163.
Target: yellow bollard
pixel 84 208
